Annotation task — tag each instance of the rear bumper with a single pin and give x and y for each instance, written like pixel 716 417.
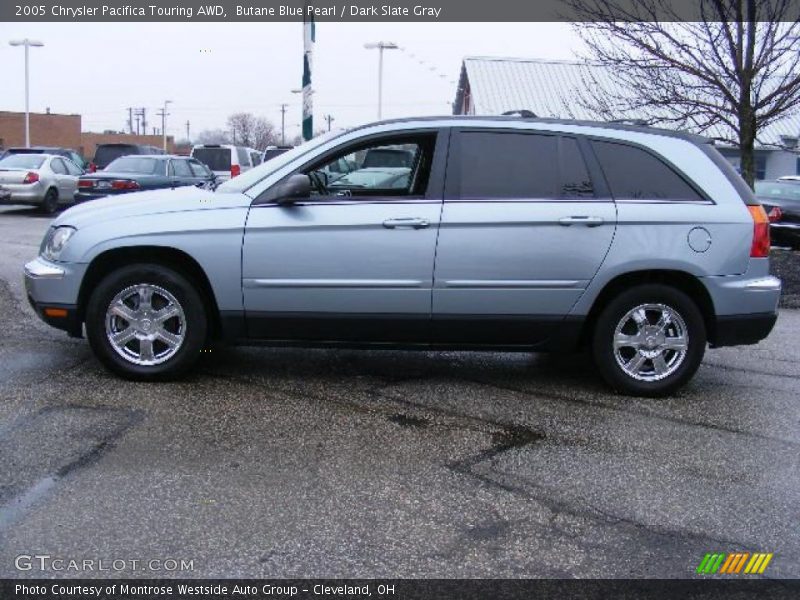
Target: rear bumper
pixel 21 193
pixel 740 330
pixel 86 196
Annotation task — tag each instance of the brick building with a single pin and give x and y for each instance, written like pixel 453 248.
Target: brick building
pixel 51 129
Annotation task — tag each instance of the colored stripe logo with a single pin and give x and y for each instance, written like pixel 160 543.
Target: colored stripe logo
pixel 734 563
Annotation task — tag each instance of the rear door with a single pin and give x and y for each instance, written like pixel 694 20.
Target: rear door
pixel 525 228
pixel 64 181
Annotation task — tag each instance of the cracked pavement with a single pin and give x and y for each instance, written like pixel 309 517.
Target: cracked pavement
pixel 342 463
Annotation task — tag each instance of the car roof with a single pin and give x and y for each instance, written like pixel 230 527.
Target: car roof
pixel 505 121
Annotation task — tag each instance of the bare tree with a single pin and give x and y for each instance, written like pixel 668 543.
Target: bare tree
pixel 729 73
pixel 249 130
pixel 213 136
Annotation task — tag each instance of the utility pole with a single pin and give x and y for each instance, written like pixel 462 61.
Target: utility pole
pixel 130 119
pixel 144 120
pixel 138 115
pixel 163 113
pixel 188 137
pixel 283 124
pixel 329 118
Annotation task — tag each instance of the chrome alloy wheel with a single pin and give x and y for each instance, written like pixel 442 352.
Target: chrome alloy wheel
pixel 145 324
pixel 651 342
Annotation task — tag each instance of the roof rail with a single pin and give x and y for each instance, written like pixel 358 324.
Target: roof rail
pixel 637 122
pixel 522 112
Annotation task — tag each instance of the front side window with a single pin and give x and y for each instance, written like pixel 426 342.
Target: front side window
pixel 635 174
pixel 199 169
pixel 397 166
pixel 73 168
pixel 244 159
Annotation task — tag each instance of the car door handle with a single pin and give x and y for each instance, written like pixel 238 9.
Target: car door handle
pixel 581 220
pixel 413 222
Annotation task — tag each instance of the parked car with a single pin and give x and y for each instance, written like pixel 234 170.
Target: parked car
pixel 642 245
pixel 227 161
pixel 104 154
pixel 137 173
pixel 43 180
pixel 74 156
pixel 781 201
pixel 273 151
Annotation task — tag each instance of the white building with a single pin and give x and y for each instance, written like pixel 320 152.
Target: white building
pixel 548 88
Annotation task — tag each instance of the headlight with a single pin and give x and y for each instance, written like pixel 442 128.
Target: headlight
pixel 55 241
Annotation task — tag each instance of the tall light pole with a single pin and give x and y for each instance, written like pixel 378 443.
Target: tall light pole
pixel 164 122
pixel 381 46
pixel 27 43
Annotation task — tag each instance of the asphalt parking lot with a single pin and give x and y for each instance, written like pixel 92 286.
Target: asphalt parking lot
pixel 290 462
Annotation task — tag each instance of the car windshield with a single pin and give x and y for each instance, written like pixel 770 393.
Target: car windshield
pixel 22 161
pixel 777 190
pixel 253 176
pixel 135 164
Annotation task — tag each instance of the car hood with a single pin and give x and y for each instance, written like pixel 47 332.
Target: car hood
pixel 122 206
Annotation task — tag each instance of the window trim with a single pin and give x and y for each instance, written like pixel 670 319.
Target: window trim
pixel 452 192
pixel 436 179
pixel 705 198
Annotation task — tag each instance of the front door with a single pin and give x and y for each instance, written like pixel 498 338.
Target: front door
pixel 354 262
pixel 523 232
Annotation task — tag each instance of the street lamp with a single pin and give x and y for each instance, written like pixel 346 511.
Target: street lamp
pixel 381 46
pixel 164 122
pixel 27 43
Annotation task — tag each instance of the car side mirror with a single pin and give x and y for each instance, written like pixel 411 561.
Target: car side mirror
pixel 297 187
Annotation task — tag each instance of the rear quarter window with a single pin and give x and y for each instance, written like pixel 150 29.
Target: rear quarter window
pixel 635 174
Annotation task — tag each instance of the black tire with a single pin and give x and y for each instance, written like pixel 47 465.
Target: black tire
pixel 193 332
pixel 603 344
pixel 50 202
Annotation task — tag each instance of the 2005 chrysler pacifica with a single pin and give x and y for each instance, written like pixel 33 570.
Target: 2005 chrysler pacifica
pixel 508 233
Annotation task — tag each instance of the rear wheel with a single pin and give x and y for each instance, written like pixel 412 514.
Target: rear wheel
pixel 649 341
pixel 50 202
pixel 146 322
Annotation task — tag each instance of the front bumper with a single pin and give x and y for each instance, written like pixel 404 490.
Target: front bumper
pixel 52 290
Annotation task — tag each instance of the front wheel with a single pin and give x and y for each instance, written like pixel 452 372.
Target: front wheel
pixel 649 340
pixel 146 322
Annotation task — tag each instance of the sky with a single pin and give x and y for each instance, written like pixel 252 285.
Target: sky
pixel 210 70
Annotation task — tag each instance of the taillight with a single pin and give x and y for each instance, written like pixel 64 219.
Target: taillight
pixel 31 177
pixel 124 184
pixel 92 168
pixel 85 183
pixel 760 247
pixel 775 215
pixel 235 170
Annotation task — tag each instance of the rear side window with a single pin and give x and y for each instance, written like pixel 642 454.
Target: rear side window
pixel 508 165
pixel 105 154
pixel 216 159
pixel 58 166
pixel 634 174
pixel 244 159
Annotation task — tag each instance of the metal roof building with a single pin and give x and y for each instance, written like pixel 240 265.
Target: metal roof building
pixel 553 88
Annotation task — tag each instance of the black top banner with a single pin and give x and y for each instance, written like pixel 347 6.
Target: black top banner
pixel 393 10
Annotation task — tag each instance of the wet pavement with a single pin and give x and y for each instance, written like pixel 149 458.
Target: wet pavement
pixel 325 463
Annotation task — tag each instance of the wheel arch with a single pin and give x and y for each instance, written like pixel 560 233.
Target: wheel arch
pixel 681 280
pixel 178 260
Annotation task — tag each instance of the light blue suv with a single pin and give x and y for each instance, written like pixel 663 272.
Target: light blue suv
pixel 639 244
